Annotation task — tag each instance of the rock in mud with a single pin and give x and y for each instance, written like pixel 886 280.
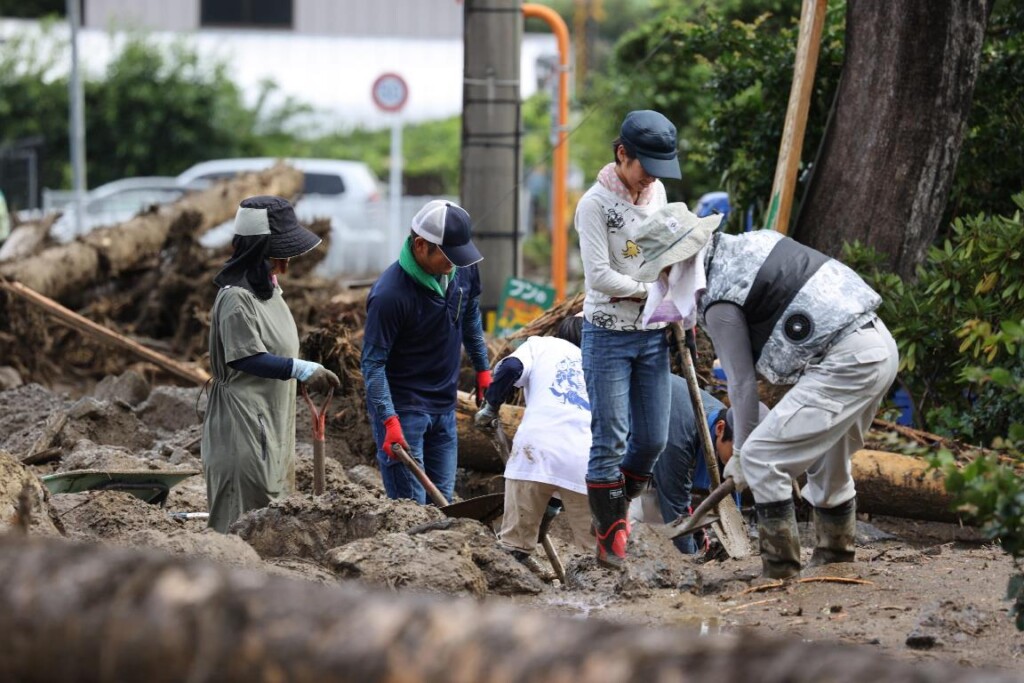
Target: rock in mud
pixel 171 409
pixel 307 527
pixel 13 478
pixel 460 557
pixel 26 410
pixel 9 378
pixel 129 388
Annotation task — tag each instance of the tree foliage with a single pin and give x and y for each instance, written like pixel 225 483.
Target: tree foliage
pixel 154 111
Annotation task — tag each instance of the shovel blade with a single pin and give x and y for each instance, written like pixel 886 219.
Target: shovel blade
pixel 482 508
pixel 731 530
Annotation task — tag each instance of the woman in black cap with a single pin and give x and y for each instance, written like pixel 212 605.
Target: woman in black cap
pixel 626 365
pixel 249 432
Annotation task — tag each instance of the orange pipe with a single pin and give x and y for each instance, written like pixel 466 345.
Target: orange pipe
pixel 560 165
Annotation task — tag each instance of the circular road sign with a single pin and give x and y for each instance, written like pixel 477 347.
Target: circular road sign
pixel 390 92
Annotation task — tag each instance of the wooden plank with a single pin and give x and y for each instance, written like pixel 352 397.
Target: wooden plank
pixel 812 19
pixel 87 327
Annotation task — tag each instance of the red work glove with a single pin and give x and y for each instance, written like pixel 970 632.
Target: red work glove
pixel 392 435
pixel 483 380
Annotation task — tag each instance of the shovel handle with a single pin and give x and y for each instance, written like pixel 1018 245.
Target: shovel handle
pixel 435 494
pixel 714 498
pixel 710 459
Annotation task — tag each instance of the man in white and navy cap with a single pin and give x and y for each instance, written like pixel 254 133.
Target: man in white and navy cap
pixel 419 315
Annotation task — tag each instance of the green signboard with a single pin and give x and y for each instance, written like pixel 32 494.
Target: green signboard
pixel 521 303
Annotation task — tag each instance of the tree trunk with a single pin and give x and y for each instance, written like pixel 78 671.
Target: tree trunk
pixel 888 157
pixel 75 612
pixel 887 483
pixel 105 253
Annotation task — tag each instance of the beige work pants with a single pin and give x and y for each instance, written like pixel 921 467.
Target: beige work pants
pixel 525 503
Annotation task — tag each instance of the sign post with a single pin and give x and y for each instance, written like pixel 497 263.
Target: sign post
pixel 389 94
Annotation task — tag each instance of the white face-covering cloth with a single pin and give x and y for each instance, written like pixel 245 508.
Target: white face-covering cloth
pixel 673 298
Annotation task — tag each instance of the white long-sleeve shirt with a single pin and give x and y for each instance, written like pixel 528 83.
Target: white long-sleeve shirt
pixel 607 225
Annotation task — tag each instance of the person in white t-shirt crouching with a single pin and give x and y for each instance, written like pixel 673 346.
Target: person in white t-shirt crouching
pixel 552 445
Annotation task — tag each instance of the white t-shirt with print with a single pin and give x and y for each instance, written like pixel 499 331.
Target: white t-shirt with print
pixel 552 444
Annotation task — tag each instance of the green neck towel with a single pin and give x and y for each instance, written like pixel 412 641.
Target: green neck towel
pixel 407 262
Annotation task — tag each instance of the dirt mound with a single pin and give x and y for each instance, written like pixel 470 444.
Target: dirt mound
pixel 109 516
pixel 221 548
pixel 105 423
pixel 306 527
pixel 335 476
pixel 86 455
pixel 455 556
pixel 26 408
pixel 13 478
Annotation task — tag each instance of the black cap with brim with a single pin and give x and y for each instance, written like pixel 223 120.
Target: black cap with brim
pixel 661 168
pixel 463 255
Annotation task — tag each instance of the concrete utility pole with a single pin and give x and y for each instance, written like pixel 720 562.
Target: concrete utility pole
pixel 77 125
pixel 491 163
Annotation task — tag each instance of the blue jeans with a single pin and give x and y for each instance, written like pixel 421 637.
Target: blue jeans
pixel 627 376
pixel 433 444
pixel 674 475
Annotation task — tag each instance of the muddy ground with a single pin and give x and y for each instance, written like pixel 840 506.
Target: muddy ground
pixel 918 591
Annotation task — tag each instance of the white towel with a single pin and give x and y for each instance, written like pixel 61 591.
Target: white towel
pixel 674 298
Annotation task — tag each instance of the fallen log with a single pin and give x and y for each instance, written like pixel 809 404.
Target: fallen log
pixel 75 612
pixel 887 483
pixel 106 252
pixel 82 324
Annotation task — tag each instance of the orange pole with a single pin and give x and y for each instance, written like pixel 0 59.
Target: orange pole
pixel 560 165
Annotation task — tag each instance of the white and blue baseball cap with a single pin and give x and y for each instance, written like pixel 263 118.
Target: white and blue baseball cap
pixel 448 226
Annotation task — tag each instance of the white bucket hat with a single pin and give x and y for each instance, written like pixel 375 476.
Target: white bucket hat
pixel 670 235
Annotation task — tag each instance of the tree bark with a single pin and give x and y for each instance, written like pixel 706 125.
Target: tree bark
pixel 888 157
pixel 887 483
pixel 107 252
pixel 75 612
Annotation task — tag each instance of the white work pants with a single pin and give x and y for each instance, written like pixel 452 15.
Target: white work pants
pixel 821 422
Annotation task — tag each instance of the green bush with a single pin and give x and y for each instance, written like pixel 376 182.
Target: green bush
pixel 960 330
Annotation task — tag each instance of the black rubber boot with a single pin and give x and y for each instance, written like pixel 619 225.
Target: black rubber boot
pixel 835 529
pixel 635 483
pixel 608 506
pixel 778 539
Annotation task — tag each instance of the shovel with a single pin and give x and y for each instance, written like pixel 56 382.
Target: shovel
pixel 500 441
pixel 482 508
pixel 319 438
pixel 729 527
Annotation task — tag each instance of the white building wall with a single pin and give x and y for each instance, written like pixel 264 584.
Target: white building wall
pixel 153 15
pixel 361 18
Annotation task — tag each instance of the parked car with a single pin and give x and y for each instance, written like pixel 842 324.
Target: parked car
pixel 116 202
pixel 345 192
